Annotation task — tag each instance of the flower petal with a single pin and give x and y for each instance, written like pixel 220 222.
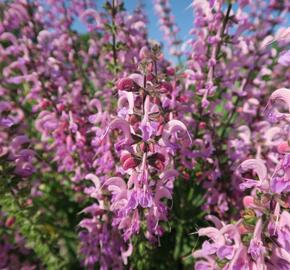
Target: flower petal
pixel 115 184
pixel 257 165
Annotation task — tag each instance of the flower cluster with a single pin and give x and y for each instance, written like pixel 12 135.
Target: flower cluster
pixel 111 155
pixel 233 74
pixel 151 135
pixel 260 239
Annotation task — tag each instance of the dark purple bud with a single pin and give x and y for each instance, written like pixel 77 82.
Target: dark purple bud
pixel 125 84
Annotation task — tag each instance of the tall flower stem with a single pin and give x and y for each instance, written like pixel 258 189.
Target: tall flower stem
pixel 115 56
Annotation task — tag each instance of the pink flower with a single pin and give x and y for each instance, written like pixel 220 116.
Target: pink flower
pixel 280 95
pixel 175 134
pixel 256 248
pixel 260 169
pixel 284 58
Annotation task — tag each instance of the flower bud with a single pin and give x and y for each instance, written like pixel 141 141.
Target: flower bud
pixel 151 147
pixel 149 77
pixel 242 229
pixel 156 100
pixel 160 130
pixel 166 87
pixel 28 202
pixel 160 157
pixel 133 119
pixel 129 163
pixel 265 199
pixel 150 68
pixel 143 147
pixel 240 110
pixel 159 165
pixel 124 156
pixel 198 174
pixel 248 201
pixel 10 221
pixel 183 98
pixel 44 103
pixel 60 107
pixel 125 84
pixel 202 125
pixel 283 148
pixel 170 71
pixel 157 161
pixel 161 119
pixel 77 188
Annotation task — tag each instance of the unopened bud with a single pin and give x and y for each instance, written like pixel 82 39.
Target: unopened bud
pixel 149 77
pixel 160 157
pixel 133 119
pixel 124 156
pixel 125 84
pixel 60 107
pixel 186 175
pixel 166 87
pixel 202 125
pixel 248 201
pixel 242 229
pixel 143 147
pixel 10 221
pixel 283 148
pixel 159 165
pixel 129 163
pixel 156 100
pixel 240 110
pixel 170 71
pixel 152 147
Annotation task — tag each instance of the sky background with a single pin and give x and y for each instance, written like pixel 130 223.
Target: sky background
pixel 183 17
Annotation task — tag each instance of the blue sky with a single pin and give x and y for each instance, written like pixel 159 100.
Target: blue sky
pixel 183 17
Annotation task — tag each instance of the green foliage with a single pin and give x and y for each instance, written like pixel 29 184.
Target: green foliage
pixel 48 222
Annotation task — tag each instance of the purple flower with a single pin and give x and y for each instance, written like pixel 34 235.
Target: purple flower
pixel 284 58
pixel 176 134
pixel 283 231
pixel 280 95
pixel 260 169
pixel 256 248
pixel 224 243
pixel 280 181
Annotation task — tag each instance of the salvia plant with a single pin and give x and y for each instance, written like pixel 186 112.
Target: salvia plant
pixel 119 153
